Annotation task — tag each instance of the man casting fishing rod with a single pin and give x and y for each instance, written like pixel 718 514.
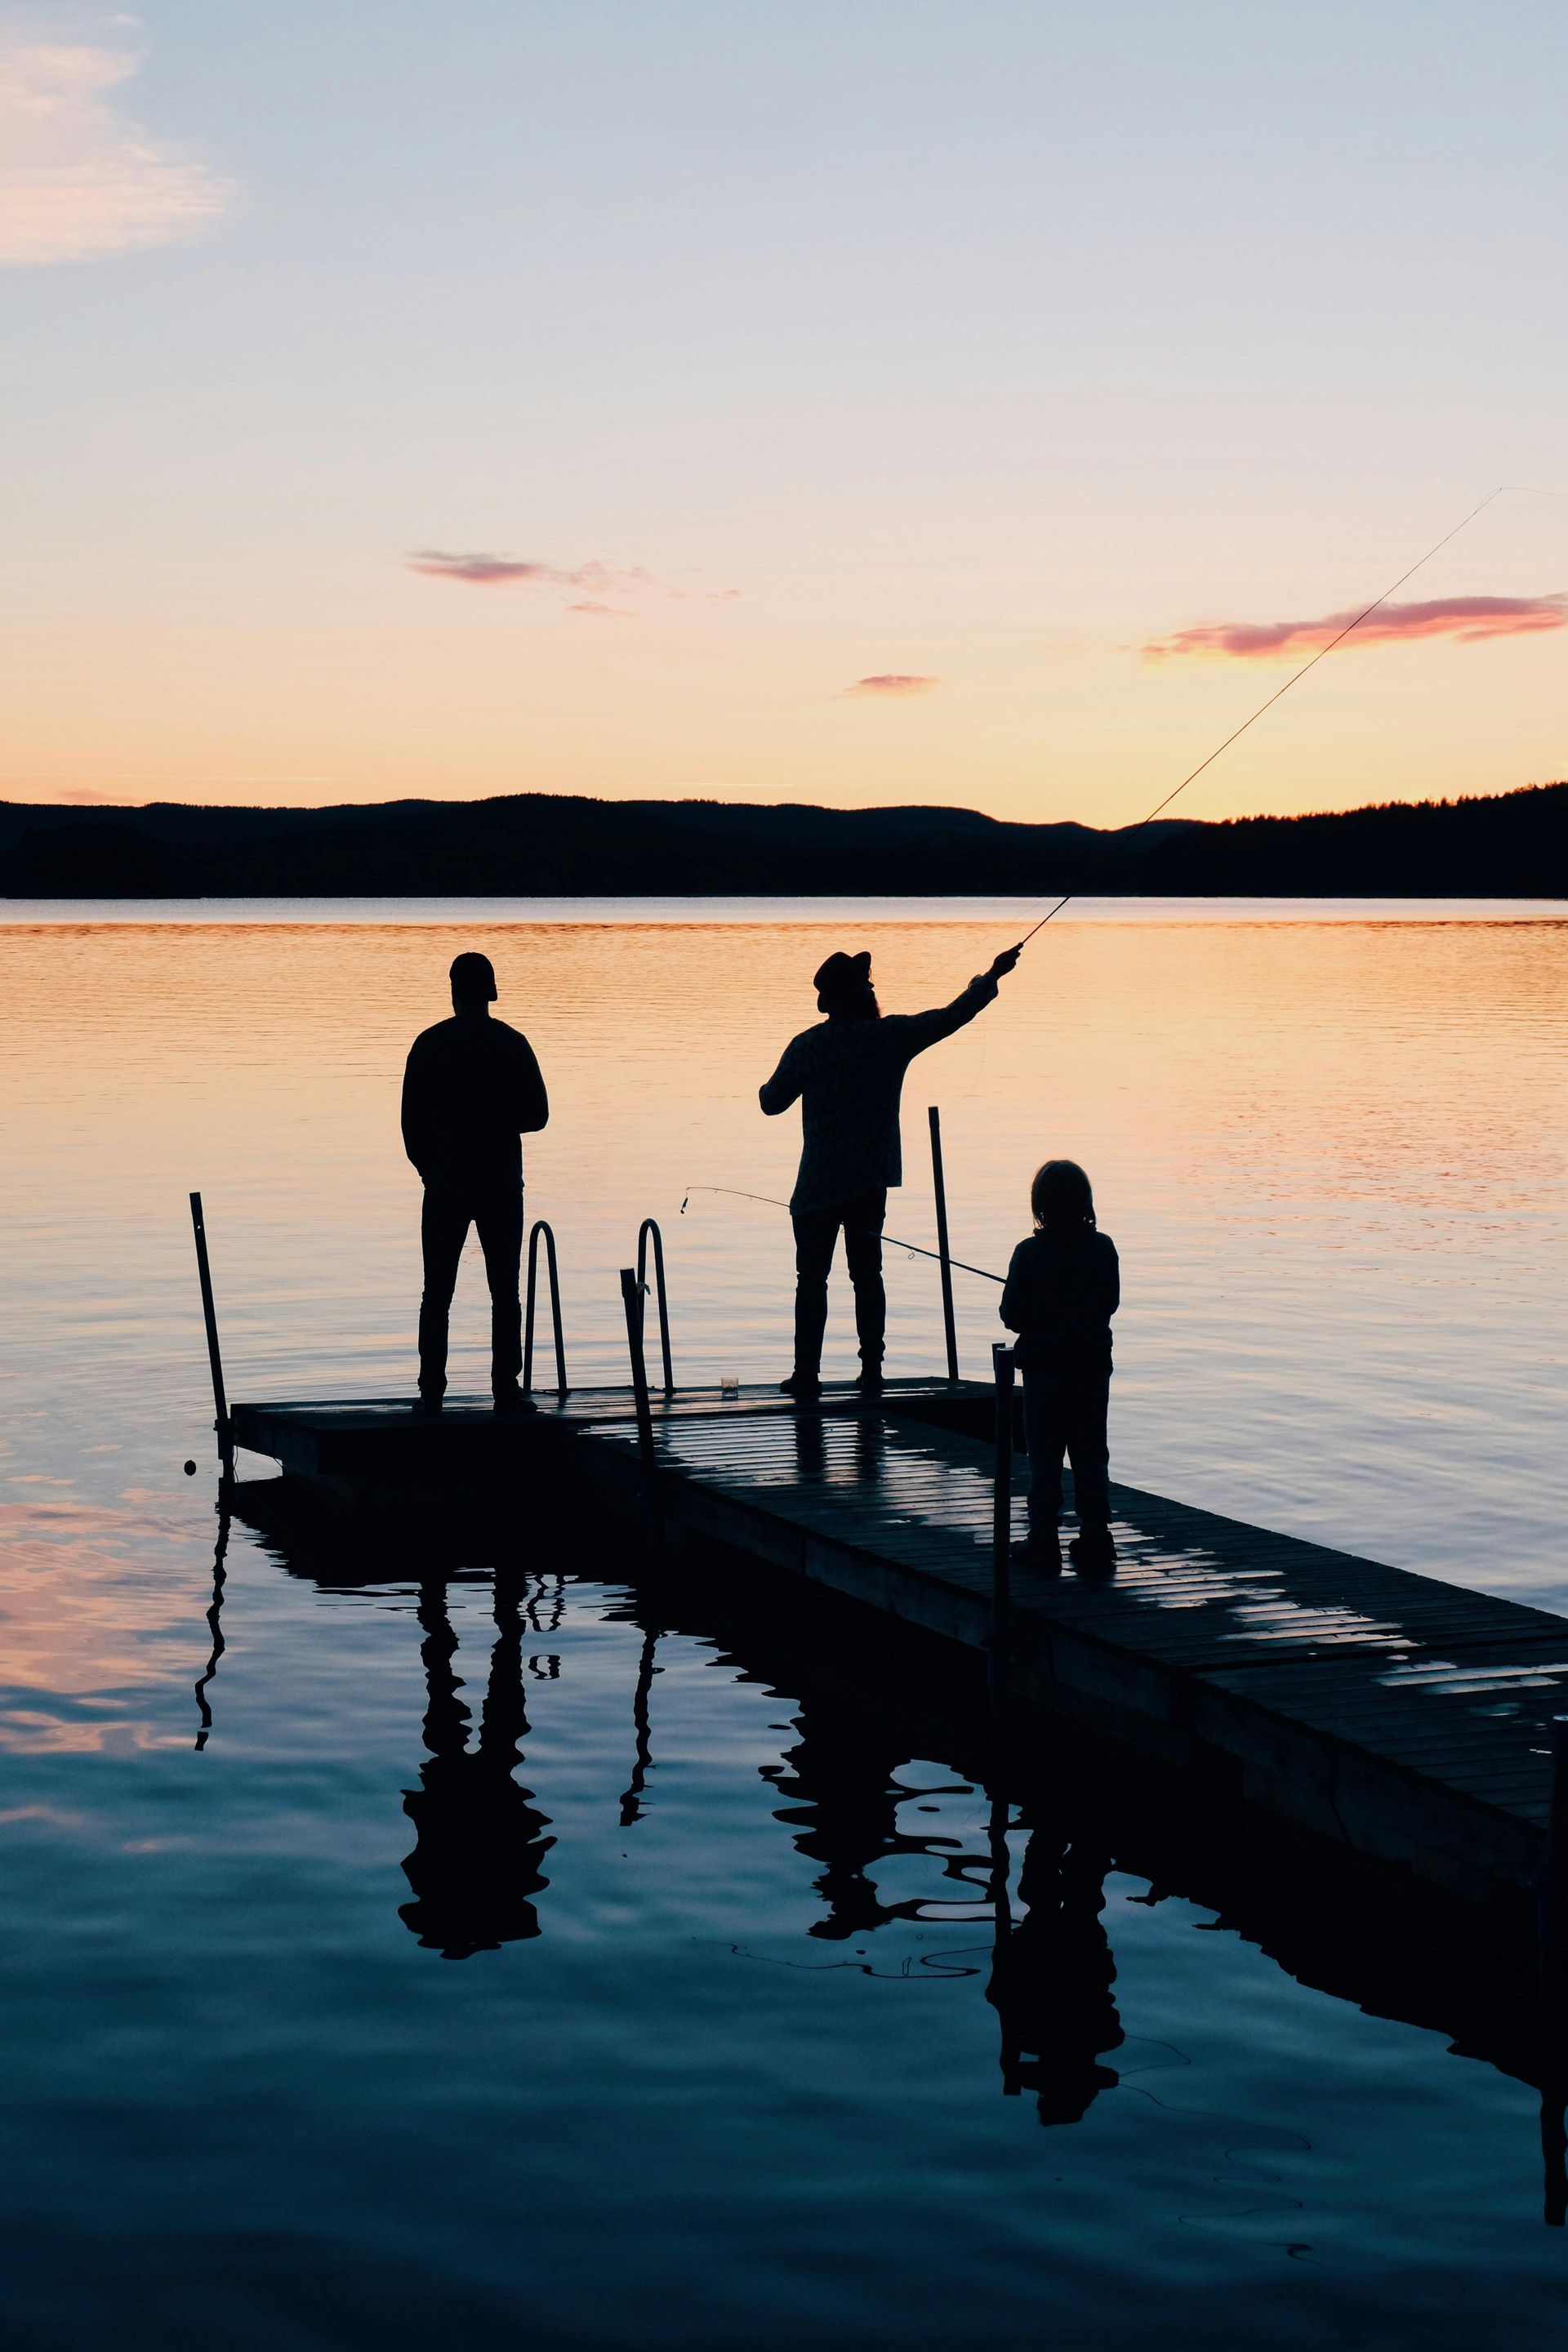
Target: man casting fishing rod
pixel 847 1075
pixel 848 1072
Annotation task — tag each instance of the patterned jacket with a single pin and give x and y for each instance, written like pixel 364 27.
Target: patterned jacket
pixel 848 1075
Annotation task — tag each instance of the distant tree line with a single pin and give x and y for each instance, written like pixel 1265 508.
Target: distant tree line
pixel 537 845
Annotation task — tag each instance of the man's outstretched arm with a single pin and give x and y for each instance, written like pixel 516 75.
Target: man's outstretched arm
pixel 923 1029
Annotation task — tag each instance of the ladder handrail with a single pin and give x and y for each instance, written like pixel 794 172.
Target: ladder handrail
pixel 562 1390
pixel 650 1226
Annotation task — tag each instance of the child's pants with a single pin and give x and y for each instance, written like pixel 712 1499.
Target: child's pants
pixel 1065 1412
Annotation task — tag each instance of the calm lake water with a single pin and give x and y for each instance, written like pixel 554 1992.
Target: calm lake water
pixel 510 1964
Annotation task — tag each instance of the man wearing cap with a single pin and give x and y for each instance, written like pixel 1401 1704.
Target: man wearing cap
pixel 471 1090
pixel 847 1075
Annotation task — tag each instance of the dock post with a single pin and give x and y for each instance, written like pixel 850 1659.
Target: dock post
pixel 1002 1529
pixel 943 1252
pixel 209 1316
pixel 1553 1917
pixel 632 1298
pixel 1553 1960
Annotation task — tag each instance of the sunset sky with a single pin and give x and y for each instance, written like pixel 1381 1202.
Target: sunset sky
pixel 980 402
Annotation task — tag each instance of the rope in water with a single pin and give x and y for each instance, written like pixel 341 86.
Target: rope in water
pixel 892 1239
pixel 1296 676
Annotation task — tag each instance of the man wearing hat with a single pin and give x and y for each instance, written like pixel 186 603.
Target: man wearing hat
pixel 847 1075
pixel 471 1090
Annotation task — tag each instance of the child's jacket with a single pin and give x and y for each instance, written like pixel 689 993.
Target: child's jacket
pixel 1061 1292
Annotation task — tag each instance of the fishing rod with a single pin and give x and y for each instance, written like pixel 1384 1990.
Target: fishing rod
pixel 1296 676
pixel 1521 489
pixel 892 1239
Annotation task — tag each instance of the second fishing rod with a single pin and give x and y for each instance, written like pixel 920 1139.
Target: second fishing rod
pixel 942 1256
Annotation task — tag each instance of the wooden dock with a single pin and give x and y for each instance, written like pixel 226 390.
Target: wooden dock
pixel 1407 1721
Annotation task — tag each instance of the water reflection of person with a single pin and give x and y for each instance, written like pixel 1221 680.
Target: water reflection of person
pixel 861 1462
pixel 847 1075
pixel 1052 1978
pixel 844 1815
pixel 479 1840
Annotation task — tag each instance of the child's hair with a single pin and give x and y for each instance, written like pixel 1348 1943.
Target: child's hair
pixel 1061 1196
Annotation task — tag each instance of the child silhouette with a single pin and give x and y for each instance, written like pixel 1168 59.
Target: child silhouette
pixel 1063 1287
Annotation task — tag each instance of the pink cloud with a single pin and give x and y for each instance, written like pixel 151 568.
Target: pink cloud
pixel 605 612
pixel 1470 619
pixel 483 570
pixel 487 570
pixel 893 682
pixel 80 177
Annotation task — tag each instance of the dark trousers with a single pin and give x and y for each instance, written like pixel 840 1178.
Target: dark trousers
pixel 815 1239
pixel 1065 1412
pixel 449 1209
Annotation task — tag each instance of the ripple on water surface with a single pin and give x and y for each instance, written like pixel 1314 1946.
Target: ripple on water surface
pixel 526 1953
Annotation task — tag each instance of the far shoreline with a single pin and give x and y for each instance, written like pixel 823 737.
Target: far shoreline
pixel 732 910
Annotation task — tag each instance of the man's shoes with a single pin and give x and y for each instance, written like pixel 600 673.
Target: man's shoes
pixel 427 1401
pixel 1093 1552
pixel 1043 1553
pixel 513 1401
pixel 805 1387
pixel 871 1383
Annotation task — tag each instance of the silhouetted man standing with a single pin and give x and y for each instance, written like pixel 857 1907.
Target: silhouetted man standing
pixel 471 1090
pixel 847 1075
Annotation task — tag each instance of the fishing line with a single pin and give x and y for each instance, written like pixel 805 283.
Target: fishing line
pixel 1521 489
pixel 1296 676
pixel 892 1239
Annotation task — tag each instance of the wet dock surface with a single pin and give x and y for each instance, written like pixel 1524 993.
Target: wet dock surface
pixel 1402 1717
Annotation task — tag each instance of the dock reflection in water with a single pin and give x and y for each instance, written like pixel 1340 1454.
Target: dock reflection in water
pixel 247 2105
pixel 885 1736
pixel 854 1783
